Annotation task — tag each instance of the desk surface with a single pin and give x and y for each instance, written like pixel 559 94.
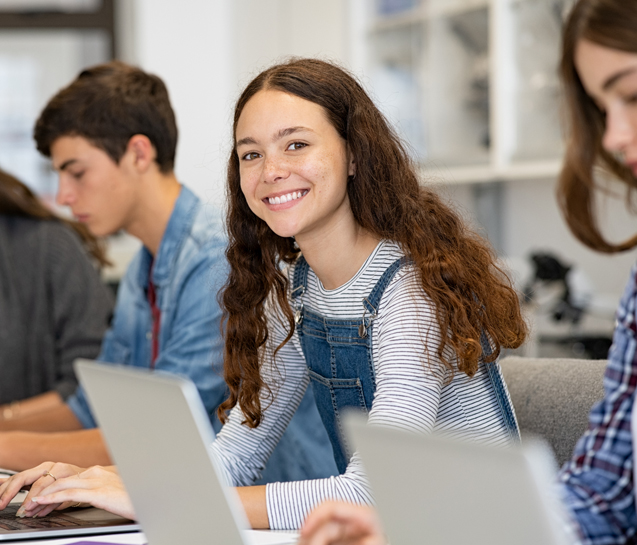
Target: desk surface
pixel 258 537
pixel 135 538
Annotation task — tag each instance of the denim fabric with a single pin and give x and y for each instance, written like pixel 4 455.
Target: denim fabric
pixel 338 354
pixel 501 391
pixel 188 271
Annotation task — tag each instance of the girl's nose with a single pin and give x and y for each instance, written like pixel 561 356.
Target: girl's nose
pixel 619 132
pixel 275 169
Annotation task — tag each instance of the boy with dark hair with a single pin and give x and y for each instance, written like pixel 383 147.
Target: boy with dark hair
pixel 111 135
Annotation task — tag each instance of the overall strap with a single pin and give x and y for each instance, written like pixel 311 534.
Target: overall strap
pixel 370 303
pixel 373 299
pixel 500 390
pixel 299 282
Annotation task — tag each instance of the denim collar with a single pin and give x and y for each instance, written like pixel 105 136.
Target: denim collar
pixel 176 232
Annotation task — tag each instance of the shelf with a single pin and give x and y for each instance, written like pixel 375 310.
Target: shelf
pixel 421 14
pixel 532 170
pixel 477 86
pixel 400 20
pixel 450 8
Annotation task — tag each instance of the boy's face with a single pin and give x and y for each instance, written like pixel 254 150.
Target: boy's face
pixel 101 193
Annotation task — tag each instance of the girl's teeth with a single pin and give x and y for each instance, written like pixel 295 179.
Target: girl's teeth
pixel 286 198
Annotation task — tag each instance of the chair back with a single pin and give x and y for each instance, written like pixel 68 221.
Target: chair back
pixel 553 396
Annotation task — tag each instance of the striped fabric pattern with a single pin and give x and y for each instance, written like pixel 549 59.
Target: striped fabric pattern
pixel 414 391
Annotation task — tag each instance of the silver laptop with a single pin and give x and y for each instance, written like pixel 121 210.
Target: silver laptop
pixel 159 434
pixel 431 489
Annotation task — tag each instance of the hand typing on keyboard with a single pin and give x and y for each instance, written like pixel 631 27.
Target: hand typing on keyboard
pixel 59 486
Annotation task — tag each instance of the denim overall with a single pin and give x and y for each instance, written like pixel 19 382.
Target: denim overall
pixel 338 353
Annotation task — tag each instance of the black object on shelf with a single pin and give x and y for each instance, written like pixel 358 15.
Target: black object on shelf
pixel 549 269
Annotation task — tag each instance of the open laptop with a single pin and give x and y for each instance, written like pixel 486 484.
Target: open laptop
pixel 159 435
pixel 67 523
pixel 431 489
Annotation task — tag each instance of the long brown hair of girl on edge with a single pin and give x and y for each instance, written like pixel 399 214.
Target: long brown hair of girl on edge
pixel 613 24
pixel 16 199
pixel 457 268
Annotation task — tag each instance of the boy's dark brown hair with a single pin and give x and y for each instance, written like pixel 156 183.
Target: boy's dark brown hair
pixel 612 24
pixel 108 104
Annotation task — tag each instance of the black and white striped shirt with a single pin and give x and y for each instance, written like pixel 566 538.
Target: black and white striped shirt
pixel 414 391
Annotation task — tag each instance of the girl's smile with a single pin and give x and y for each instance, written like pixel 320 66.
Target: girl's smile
pixel 279 201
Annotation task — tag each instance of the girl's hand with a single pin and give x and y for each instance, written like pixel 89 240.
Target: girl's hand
pixel 35 479
pixel 336 523
pixel 97 486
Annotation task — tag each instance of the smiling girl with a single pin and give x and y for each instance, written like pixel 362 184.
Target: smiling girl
pixel 348 275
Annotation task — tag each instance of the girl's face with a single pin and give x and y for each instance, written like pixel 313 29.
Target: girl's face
pixel 293 166
pixel 610 79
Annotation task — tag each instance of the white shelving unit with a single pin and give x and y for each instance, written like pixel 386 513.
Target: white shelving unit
pixel 472 85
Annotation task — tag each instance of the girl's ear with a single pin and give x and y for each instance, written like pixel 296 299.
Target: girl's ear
pixel 351 168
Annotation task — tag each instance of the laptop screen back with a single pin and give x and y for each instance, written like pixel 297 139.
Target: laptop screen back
pixel 435 490
pixel 159 435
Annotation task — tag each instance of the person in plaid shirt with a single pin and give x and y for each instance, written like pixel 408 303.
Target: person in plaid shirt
pixel 599 73
pixel 597 483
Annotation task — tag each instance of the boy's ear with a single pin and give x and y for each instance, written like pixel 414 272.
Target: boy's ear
pixel 141 152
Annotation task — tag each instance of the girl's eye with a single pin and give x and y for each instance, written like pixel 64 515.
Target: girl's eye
pixel 250 156
pixel 296 145
pixel 631 99
pixel 77 175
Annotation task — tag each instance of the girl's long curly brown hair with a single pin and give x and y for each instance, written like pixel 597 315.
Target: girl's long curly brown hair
pixel 458 269
pixel 16 199
pixel 613 24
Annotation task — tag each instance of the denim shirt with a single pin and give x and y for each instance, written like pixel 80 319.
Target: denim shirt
pixel 188 271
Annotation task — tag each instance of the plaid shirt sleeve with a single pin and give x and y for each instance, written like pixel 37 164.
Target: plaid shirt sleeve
pixel 597 483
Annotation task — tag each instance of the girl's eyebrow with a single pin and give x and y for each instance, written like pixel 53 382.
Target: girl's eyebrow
pixel 616 77
pixel 249 141
pixel 287 132
pixel 246 141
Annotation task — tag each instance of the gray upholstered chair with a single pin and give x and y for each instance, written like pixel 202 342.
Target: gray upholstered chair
pixel 552 397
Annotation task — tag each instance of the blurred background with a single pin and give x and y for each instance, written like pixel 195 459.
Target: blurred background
pixel 471 85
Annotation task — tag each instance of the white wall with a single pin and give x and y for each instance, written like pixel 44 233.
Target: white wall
pixel 189 45
pixel 268 31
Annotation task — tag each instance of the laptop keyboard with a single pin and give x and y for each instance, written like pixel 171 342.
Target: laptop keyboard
pixel 57 519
